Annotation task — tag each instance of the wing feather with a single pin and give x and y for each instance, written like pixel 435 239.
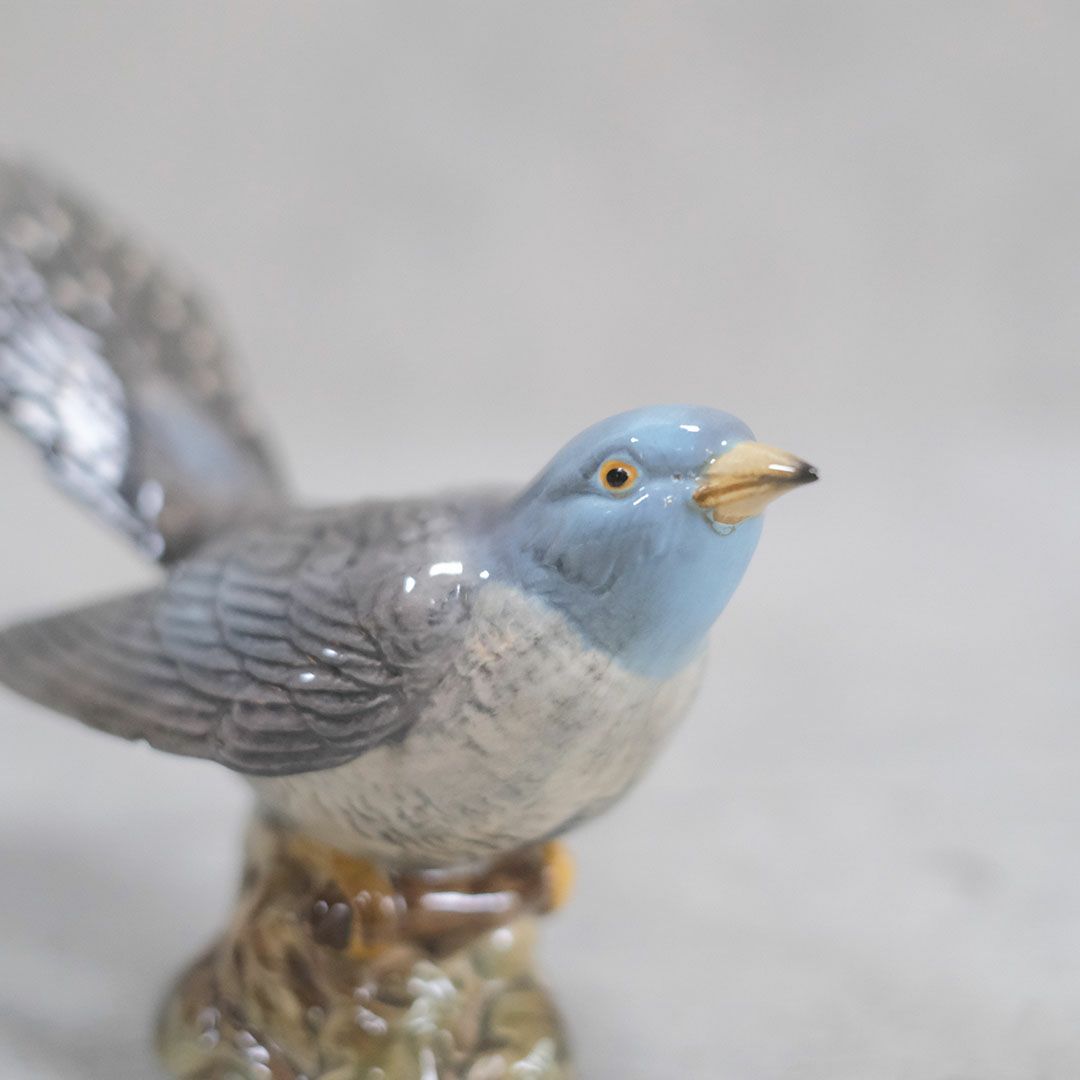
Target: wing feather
pixel 273 652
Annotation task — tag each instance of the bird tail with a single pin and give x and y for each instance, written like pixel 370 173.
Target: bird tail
pixel 119 374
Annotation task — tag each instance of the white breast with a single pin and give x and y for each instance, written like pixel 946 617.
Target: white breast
pixel 532 732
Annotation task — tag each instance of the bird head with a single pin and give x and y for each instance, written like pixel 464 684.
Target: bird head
pixel 640 528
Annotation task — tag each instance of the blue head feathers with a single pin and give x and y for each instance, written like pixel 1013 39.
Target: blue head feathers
pixel 640 528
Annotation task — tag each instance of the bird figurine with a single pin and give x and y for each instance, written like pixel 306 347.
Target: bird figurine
pixel 428 683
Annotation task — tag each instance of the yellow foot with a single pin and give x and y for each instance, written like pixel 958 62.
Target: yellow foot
pixel 559 873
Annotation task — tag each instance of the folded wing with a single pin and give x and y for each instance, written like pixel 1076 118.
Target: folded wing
pixel 278 651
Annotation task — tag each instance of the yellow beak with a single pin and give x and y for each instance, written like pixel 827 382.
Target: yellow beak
pixel 739 484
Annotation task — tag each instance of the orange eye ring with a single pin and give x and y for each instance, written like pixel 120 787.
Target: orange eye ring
pixel 617 476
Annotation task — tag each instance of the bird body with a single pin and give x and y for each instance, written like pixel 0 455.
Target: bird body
pixel 383 677
pixel 425 681
pixel 529 733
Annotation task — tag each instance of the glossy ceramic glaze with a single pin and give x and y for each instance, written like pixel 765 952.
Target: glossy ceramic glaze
pixel 433 683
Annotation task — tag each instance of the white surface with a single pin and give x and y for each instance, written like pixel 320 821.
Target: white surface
pixel 450 236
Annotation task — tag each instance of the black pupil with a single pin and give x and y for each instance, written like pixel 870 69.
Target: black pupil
pixel 616 477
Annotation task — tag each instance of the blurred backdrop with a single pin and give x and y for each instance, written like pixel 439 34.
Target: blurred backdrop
pixel 449 236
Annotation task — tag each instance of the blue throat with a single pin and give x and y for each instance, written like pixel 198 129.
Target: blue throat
pixel 648 601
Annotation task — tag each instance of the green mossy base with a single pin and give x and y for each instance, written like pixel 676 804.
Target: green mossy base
pixel 334 970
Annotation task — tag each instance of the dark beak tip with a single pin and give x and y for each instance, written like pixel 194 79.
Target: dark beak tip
pixel 807 474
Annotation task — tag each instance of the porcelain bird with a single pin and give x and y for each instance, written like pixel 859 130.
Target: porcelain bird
pixel 428 681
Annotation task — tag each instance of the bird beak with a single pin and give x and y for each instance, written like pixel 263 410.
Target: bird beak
pixel 740 483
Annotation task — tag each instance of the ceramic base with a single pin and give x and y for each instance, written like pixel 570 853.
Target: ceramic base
pixel 333 969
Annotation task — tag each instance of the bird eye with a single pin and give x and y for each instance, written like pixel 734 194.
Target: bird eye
pixel 618 475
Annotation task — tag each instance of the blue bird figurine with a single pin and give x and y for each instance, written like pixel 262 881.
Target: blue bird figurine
pixel 427 681
pixel 423 682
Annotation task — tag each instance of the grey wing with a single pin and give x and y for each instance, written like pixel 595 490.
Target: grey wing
pixel 275 654
pixel 119 373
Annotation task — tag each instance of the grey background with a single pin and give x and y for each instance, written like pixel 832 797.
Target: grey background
pixel 448 237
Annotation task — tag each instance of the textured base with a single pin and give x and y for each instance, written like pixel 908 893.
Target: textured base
pixel 335 970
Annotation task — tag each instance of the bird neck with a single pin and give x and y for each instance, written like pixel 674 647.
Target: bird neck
pixel 649 605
